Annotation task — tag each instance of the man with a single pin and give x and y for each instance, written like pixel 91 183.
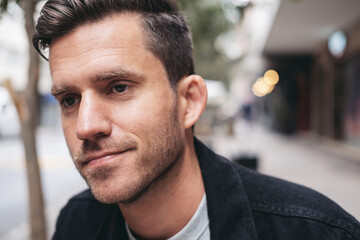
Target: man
pixel 123 74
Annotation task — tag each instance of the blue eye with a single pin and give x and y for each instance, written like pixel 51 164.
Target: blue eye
pixel 120 88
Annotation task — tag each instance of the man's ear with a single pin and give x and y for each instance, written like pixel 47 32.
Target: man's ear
pixel 192 96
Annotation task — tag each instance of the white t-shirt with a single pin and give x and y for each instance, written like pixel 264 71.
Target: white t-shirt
pixel 196 229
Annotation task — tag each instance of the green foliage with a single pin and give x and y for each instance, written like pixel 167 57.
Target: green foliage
pixel 5 3
pixel 207 21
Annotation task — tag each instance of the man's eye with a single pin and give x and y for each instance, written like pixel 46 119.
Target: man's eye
pixel 69 101
pixel 120 88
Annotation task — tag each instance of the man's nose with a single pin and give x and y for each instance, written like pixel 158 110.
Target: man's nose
pixel 93 121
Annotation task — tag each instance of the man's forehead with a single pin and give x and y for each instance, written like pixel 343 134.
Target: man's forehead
pixel 113 28
pixel 115 35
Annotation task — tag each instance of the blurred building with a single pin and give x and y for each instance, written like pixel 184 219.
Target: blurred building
pixel 315 48
pixel 13 51
pixel 14 60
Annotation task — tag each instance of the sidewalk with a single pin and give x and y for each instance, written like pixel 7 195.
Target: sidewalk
pixel 59 178
pixel 324 166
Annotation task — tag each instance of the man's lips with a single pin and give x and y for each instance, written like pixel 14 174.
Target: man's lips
pixel 103 156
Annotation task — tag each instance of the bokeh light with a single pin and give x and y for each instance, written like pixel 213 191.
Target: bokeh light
pixel 271 77
pixel 266 84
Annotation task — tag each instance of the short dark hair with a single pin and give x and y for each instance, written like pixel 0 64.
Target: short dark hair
pixel 167 35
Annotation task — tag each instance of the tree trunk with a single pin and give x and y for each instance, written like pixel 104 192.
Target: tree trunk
pixel 28 125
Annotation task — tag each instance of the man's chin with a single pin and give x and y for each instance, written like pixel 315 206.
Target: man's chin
pixel 119 195
pixel 107 197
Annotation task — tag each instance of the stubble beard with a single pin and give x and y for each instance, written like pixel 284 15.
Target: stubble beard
pixel 161 152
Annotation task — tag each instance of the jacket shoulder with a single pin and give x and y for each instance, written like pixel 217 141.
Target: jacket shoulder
pixel 84 217
pixel 276 200
pixel 270 208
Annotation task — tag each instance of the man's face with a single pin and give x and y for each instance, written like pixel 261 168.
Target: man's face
pixel 119 113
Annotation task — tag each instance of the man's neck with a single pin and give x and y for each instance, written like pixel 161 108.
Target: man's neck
pixel 167 207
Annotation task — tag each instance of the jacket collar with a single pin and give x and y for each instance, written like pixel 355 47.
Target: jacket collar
pixel 229 210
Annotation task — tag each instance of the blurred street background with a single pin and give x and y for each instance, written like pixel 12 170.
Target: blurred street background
pixel 283 78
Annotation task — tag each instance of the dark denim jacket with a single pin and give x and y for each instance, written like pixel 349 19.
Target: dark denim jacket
pixel 242 204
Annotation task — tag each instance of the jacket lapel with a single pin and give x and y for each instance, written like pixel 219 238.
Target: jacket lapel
pixel 228 206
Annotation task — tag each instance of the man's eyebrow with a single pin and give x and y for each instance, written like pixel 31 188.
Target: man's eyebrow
pixel 59 89
pixel 120 73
